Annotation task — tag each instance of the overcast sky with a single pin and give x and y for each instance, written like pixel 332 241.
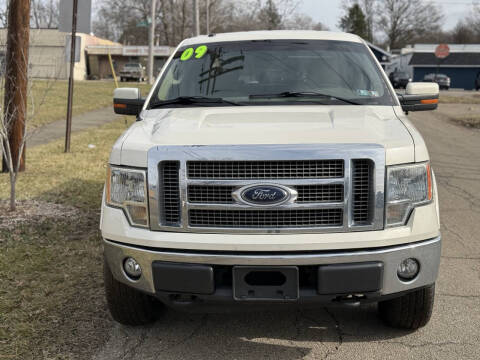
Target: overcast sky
pixel 329 11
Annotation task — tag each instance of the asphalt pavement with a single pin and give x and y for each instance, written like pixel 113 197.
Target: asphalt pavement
pixel 351 333
pixel 56 129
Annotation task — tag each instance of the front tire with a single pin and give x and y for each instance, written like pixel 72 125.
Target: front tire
pixel 410 311
pixel 127 305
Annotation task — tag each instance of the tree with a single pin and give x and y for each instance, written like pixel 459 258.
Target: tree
pixel 368 8
pixel 270 17
pixel 12 123
pixel 401 21
pixel 303 22
pixel 44 14
pixel 463 33
pixel 119 20
pixel 473 22
pixel 354 22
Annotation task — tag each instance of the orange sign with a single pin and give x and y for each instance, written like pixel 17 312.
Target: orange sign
pixel 442 51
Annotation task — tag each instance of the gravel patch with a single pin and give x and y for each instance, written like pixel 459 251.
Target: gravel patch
pixel 32 211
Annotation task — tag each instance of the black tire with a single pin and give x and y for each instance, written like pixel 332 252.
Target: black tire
pixel 127 305
pixel 410 311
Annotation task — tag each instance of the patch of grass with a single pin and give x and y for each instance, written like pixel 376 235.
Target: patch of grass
pixel 467 99
pixel 51 291
pixel 48 98
pixel 51 288
pixel 75 178
pixel 469 120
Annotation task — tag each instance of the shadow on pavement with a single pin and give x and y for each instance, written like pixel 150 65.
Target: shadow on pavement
pixel 253 335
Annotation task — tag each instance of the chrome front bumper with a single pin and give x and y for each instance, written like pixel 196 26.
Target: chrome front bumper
pixel 426 252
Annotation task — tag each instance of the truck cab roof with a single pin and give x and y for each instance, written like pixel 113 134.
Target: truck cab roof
pixel 273 35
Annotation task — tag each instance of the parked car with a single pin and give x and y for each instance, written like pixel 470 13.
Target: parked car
pixel 399 79
pixel 442 80
pixel 132 71
pixel 271 168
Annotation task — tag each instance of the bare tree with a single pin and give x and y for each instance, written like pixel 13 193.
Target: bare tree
pixel 123 20
pixel 3 13
pixel 12 161
pixel 44 14
pixel 303 22
pixel 463 33
pixel 400 21
pixel 29 108
pixel 473 22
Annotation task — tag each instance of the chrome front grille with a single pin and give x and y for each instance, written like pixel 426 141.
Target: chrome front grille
pixel 337 188
pixel 299 169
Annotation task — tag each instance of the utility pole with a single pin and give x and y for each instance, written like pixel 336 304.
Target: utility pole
pixel 68 130
pixel 208 17
pixel 16 78
pixel 151 39
pixel 196 19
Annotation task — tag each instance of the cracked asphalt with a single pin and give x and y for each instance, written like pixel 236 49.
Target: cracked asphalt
pixel 351 333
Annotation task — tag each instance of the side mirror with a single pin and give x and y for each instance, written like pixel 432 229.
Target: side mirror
pixel 419 96
pixel 127 101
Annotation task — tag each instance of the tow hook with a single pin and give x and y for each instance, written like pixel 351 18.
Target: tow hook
pixel 350 299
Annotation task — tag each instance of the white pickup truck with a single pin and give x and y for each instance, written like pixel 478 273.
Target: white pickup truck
pixel 269 169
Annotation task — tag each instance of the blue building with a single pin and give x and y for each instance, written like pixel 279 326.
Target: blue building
pixel 383 56
pixel 462 65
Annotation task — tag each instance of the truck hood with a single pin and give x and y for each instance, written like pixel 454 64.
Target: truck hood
pixel 266 125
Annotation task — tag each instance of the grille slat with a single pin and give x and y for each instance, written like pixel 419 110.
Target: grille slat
pixel 246 170
pixel 171 192
pixel 210 194
pixel 261 219
pixel 306 193
pixel 320 193
pixel 361 190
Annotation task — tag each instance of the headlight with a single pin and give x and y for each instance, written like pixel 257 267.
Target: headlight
pixel 127 189
pixel 407 186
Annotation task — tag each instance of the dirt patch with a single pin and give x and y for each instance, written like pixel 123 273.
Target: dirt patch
pixel 471 121
pixel 467 115
pixel 32 211
pixel 459 98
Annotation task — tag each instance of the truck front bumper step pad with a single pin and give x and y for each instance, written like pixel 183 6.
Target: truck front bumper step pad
pixel 183 278
pixel 350 278
pixel 268 283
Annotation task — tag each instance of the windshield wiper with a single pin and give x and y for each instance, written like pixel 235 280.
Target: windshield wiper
pixel 188 100
pixel 287 94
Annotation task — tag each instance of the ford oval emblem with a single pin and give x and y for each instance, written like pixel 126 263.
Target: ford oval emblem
pixel 266 195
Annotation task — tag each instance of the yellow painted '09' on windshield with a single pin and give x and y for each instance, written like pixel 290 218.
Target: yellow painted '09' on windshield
pixel 187 54
pixel 199 52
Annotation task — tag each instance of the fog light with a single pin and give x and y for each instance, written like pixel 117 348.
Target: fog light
pixel 132 268
pixel 408 269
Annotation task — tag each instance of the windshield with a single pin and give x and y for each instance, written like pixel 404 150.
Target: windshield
pixel 254 72
pixel 132 65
